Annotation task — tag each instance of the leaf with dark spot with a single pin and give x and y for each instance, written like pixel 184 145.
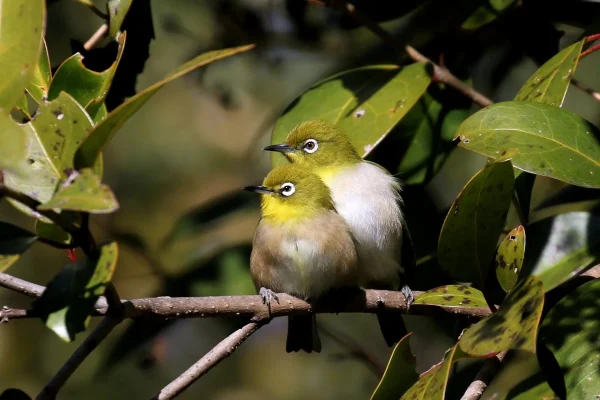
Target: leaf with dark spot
pixel 509 258
pixel 452 296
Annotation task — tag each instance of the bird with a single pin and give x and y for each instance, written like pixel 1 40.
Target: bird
pixel 368 198
pixel 301 247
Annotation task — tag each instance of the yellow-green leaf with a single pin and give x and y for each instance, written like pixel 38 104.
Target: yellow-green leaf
pixel 42 76
pixel 83 192
pixel 52 232
pixel 13 242
pixel 12 148
pixel 68 301
pixel 117 11
pixel 91 148
pixel 509 258
pixel 513 326
pixel 399 374
pixel 550 141
pixel 474 223
pixel 21 29
pixel 486 13
pixel 550 82
pixel 366 102
pixel 452 296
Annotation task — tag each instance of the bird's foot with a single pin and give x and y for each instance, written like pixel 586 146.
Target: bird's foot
pixel 408 294
pixel 267 296
pixel 380 301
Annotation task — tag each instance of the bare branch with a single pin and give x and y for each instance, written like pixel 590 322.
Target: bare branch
pixel 20 286
pixel 89 344
pixel 220 352
pixel 580 85
pixel 483 377
pixel 6 314
pixel 96 37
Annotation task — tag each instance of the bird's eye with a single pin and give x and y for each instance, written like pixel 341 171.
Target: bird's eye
pixel 288 189
pixel 310 146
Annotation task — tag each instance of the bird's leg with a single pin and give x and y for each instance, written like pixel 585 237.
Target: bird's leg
pixel 408 294
pixel 268 295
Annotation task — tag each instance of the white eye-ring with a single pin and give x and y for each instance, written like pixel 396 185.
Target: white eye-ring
pixel 310 146
pixel 288 189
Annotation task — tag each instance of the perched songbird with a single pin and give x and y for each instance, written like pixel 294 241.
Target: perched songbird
pixel 302 246
pixel 367 197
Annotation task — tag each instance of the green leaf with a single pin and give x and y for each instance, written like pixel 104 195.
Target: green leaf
pixel 514 326
pixel 68 301
pixel 42 76
pixel 89 88
pixel 432 383
pixel 366 102
pixel 83 192
pixel 486 13
pixel 550 82
pixel 13 242
pixel 550 141
pixel 474 222
pixel 561 247
pixel 12 150
pixel 21 29
pixel 91 148
pixel 52 138
pixel 399 374
pixel 52 232
pixel 117 11
pixel 23 106
pixel 509 258
pixel 452 296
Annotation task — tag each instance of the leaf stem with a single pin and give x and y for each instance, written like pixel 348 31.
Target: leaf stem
pixel 90 4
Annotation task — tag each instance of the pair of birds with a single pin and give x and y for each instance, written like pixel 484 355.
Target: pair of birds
pixel 330 221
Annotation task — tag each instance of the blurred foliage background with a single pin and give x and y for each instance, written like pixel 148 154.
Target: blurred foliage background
pixel 200 139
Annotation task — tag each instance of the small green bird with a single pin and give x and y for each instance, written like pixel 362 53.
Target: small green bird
pixel 367 197
pixel 302 247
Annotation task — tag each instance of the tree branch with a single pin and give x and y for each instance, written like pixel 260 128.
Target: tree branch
pixel 582 86
pixel 484 377
pixel 220 352
pixel 96 37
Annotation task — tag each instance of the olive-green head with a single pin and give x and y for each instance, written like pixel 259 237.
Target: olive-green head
pixel 291 192
pixel 317 143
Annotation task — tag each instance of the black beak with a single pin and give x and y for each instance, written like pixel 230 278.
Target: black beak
pixel 281 148
pixel 259 189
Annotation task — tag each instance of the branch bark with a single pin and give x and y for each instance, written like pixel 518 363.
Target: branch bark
pixel 484 377
pixel 220 352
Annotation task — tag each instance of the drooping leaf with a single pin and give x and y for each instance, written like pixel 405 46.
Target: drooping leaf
pixel 52 138
pixel 452 296
pixel 67 302
pixel 22 25
pixel 561 247
pixel 514 326
pixel 366 102
pixel 432 384
pixel 52 232
pixel 91 148
pixel 399 374
pixel 42 75
pixel 550 141
pixel 13 242
pixel 486 13
pixel 474 223
pixel 117 11
pixel 550 82
pixel 12 148
pixel 83 192
pixel 509 258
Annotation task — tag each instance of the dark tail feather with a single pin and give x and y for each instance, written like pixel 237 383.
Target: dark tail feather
pixel 392 327
pixel 302 334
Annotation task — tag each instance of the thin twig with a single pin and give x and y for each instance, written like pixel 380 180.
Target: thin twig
pixel 580 85
pixel 484 377
pixel 89 344
pixel 96 37
pixel 220 352
pixel 442 74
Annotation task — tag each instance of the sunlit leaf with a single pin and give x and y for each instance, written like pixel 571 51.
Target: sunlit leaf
pixel 399 374
pixel 42 75
pixel 52 138
pixel 13 242
pixel 21 29
pixel 87 87
pixel 67 302
pixel 474 223
pixel 560 247
pixel 12 148
pixel 486 13
pixel 550 82
pixel 513 326
pixel 366 102
pixel 117 11
pixel 83 192
pixel 52 232
pixel 452 296
pixel 91 148
pixel 550 141
pixel 509 258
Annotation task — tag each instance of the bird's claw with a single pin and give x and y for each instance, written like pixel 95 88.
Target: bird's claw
pixel 408 294
pixel 267 296
pixel 380 301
